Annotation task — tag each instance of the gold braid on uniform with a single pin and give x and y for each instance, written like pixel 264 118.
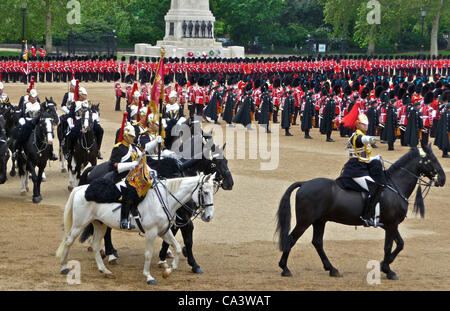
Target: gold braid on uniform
pixel 358 150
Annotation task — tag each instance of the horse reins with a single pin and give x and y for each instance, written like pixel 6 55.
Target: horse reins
pixel 420 180
pixel 171 218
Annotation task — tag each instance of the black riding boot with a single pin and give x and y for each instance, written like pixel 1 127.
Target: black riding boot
pixel 99 137
pixel 53 157
pixel 368 216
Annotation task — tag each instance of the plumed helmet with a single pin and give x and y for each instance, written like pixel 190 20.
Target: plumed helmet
pixel 33 93
pixel 82 91
pixel 143 113
pixel 129 130
pixel 362 119
pixel 133 111
pixel 173 94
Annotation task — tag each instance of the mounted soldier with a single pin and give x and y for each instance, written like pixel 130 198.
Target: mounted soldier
pixel 363 171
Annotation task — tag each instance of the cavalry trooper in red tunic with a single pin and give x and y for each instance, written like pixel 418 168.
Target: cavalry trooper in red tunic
pixel 363 172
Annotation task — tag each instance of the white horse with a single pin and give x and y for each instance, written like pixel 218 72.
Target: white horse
pixel 155 219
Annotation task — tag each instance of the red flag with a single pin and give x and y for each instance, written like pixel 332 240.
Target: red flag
pixel 157 91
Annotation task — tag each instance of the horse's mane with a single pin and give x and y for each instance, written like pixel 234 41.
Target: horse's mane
pixel 174 184
pixel 413 153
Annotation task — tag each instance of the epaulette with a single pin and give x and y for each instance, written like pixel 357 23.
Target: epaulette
pixel 121 143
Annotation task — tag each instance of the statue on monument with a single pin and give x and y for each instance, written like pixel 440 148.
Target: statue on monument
pixel 203 29
pixel 191 27
pixel 184 28
pixel 210 29
pixel 197 29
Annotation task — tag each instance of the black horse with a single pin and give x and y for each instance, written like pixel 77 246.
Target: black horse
pixel 4 151
pixel 321 200
pixel 38 150
pixel 11 115
pixel 85 150
pixel 217 164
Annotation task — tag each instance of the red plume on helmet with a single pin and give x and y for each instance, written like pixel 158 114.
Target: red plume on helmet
pixel 349 121
pixel 31 84
pixel 135 88
pixel 138 117
pixel 124 121
pixel 76 95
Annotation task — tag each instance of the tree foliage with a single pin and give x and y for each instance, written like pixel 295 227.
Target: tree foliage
pixel 279 22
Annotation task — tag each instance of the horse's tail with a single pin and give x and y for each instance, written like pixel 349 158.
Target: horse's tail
pixel 88 231
pixel 284 217
pixel 68 211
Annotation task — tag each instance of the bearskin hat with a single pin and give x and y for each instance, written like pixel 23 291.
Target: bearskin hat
pixel 428 98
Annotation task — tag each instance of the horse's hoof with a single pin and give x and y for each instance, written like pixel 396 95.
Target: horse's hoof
pixel 392 276
pixel 335 273
pixel 23 193
pixel 63 170
pixel 151 282
pixel 110 276
pixel 286 272
pixel 163 264
pixel 184 252
pixel 70 188
pixel 112 260
pixel 167 272
pixel 89 249
pixel 37 199
pixel 65 271
pixel 197 270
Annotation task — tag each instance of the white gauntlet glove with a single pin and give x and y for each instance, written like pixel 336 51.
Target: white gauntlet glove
pixel 368 140
pixel 123 167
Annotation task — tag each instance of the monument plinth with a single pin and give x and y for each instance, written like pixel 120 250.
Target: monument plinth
pixel 189 31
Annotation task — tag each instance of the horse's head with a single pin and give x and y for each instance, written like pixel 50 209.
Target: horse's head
pixel 219 165
pixel 96 108
pixel 45 128
pixel 203 196
pixel 430 167
pixel 4 157
pixel 49 108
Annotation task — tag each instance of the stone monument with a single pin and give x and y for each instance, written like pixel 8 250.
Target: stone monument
pixel 189 32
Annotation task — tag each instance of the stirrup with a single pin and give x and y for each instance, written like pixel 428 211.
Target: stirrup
pixel 125 224
pixel 371 223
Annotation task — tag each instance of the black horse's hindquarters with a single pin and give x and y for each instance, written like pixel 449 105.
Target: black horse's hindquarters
pixel 4 157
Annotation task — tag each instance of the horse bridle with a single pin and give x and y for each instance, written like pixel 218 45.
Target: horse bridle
pixel 45 142
pixel 201 208
pixel 424 160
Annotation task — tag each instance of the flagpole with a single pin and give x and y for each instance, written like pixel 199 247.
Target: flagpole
pixel 161 96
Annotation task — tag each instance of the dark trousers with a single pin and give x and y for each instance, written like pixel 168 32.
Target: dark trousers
pixel 199 109
pixel 425 137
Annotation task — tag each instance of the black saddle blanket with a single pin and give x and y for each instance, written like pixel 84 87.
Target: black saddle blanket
pixel 103 190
